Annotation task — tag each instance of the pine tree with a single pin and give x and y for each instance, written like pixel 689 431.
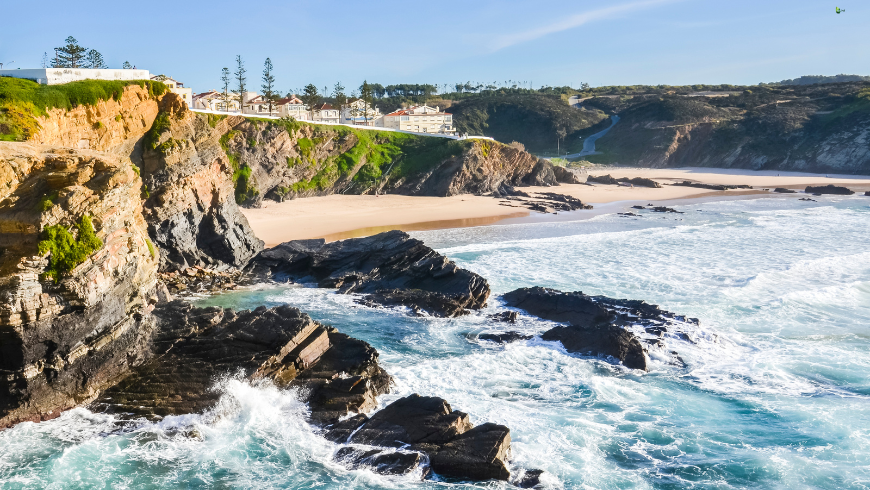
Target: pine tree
pixel 340 97
pixel 225 77
pixel 311 97
pixel 268 86
pixel 241 79
pixel 69 56
pixel 365 94
pixel 127 66
pixel 95 60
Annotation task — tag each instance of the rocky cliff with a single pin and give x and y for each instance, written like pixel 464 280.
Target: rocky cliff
pixel 109 125
pixel 190 204
pixel 818 128
pixel 286 159
pixel 72 312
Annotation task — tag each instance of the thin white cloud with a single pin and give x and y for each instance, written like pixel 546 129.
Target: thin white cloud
pixel 573 21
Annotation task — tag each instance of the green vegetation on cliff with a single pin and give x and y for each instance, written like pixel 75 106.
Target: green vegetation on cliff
pixel 67 252
pixel 376 156
pixel 814 127
pixel 23 101
pixel 244 189
pixel 531 119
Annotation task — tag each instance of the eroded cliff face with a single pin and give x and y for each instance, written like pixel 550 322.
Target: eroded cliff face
pixel 191 208
pixel 285 160
pixel 65 339
pixel 115 126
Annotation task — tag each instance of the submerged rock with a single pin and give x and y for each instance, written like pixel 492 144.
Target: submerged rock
pixel 391 267
pixel 829 189
pixel 503 338
pixel 530 479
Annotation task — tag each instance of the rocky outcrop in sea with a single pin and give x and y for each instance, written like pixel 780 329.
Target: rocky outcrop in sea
pixel 390 269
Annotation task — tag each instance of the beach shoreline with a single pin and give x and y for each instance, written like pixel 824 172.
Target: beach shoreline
pixel 338 217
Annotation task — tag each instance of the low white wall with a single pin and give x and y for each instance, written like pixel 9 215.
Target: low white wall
pixel 55 76
pixel 368 128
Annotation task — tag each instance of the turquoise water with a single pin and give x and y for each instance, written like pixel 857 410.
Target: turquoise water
pixel 775 392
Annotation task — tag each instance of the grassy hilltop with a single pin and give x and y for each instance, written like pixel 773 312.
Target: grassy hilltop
pixel 23 101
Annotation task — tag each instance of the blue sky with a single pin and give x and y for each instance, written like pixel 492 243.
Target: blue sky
pixel 543 42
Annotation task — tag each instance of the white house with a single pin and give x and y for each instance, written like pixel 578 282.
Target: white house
pixel 258 105
pixel 293 107
pixel 326 113
pixel 214 101
pixel 355 113
pixel 176 87
pixel 420 119
pixel 55 76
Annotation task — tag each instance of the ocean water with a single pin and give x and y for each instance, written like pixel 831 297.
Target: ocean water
pixel 775 391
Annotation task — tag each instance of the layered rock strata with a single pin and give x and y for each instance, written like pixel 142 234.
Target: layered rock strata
pixel 391 268
pixel 191 208
pixel 64 339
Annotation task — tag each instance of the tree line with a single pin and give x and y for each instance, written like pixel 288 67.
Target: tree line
pixel 74 55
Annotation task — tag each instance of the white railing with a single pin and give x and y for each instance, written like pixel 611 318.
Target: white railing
pixel 369 128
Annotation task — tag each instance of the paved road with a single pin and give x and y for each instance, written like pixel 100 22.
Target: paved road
pixel 589 144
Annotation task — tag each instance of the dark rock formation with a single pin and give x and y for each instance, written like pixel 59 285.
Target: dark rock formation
pixel 829 189
pixel 62 340
pixel 602 179
pixel 712 187
pixel 638 181
pixel 505 190
pixel 504 316
pixel 529 479
pixel 663 209
pixel 192 213
pixel 565 176
pixel 347 379
pixel 429 425
pixel 386 462
pixel 598 325
pixel 806 199
pixel 783 190
pixel 392 267
pixel 503 338
pixel 610 340
pixel 195 346
pixel 867 193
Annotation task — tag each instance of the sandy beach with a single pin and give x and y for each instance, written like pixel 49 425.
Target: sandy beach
pixel 339 216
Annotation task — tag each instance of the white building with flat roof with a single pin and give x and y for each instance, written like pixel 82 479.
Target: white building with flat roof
pixel 420 119
pixel 56 76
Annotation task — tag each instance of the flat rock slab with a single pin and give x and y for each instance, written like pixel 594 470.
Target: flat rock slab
pixel 195 346
pixel 391 268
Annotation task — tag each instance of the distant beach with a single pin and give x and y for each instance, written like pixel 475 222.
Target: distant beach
pixel 338 217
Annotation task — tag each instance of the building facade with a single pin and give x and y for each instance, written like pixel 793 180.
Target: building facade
pixel 176 87
pixel 55 76
pixel 420 119
pixel 355 113
pixel 214 101
pixel 326 113
pixel 293 107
